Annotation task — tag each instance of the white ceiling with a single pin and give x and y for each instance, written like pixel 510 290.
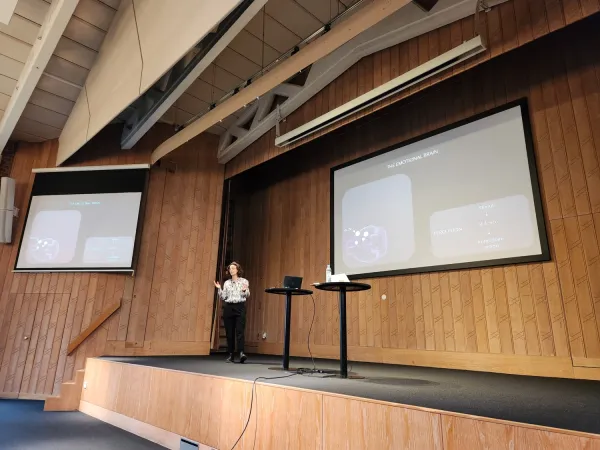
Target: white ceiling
pixel 280 26
pixel 58 88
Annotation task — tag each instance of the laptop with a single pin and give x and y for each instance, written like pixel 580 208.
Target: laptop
pixel 292 282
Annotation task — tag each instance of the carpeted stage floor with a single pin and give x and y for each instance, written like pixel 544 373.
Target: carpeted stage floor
pixel 25 426
pixel 554 402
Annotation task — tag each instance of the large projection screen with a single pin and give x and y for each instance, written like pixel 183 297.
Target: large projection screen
pixel 464 196
pixel 83 220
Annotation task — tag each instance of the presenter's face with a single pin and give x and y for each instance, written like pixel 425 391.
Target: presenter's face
pixel 233 270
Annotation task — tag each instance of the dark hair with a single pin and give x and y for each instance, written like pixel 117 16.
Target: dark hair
pixel 239 268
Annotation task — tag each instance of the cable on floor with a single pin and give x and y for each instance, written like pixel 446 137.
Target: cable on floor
pixel 300 371
pixel 252 403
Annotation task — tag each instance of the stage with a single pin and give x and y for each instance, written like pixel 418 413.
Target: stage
pixel 551 402
pixel 210 402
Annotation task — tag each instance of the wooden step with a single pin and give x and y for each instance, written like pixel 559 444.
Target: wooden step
pixel 70 394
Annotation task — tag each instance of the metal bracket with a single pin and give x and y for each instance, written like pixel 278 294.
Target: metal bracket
pixel 277 120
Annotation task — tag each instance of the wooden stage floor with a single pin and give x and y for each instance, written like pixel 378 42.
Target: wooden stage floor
pixel 552 402
pixel 393 407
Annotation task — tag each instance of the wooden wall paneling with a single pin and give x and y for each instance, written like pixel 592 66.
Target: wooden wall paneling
pixel 559 157
pixel 523 22
pixel 506 24
pixel 67 303
pixel 589 7
pixel 554 13
pixel 213 411
pixel 478 315
pixel 163 253
pixel 52 309
pixel 211 252
pixel 355 424
pixel 86 290
pixel 183 318
pixel 180 321
pixel 134 384
pixel 146 260
pixel 460 340
pixel 572 11
pixel 547 173
pixel 76 303
pixel 33 342
pixel 462 433
pixel 511 310
pixel 508 20
pixel 588 226
pixel 571 140
pixel 409 314
pixel 447 313
pixel 540 301
pixel 427 312
pixel 528 309
pixel 63 301
pixel 556 309
pixel 517 325
pixel 296 432
pixel 45 301
pixel 103 381
pixel 539 440
pixel 173 249
pixel 582 126
pixel 576 339
pixel 582 288
pixel 468 312
pixel 24 327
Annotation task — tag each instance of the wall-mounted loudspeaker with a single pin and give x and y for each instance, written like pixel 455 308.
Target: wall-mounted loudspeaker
pixel 7 208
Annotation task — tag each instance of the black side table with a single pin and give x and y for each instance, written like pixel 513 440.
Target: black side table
pixel 288 292
pixel 343 287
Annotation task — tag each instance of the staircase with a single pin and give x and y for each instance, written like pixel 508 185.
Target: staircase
pixel 70 394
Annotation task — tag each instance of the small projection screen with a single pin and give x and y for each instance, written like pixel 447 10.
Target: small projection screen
pixel 83 220
pixel 464 196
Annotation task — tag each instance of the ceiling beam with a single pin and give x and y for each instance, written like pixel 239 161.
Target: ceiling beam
pixel 7 8
pixel 372 13
pixel 405 24
pixel 54 25
pixel 426 5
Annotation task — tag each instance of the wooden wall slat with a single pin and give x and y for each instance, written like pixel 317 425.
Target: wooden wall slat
pixel 506 26
pixel 540 310
pixel 214 410
pixel 51 309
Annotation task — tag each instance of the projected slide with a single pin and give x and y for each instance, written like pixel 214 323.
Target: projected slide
pixel 500 224
pixel 377 222
pixel 80 231
pixel 462 196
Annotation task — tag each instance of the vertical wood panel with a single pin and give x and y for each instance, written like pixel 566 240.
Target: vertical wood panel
pixel 548 309
pixel 51 309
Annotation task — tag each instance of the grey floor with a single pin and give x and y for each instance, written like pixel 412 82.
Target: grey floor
pixel 554 402
pixel 24 425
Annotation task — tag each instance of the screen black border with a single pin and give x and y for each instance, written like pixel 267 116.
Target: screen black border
pixel 535 187
pixel 86 190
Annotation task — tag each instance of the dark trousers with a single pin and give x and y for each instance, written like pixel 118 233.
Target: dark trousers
pixel 234 316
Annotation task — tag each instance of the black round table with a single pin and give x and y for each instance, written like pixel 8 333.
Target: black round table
pixel 342 287
pixel 288 292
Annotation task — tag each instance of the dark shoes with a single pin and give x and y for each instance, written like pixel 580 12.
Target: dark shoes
pixel 230 358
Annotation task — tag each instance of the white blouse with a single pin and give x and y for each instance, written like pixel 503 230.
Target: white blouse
pixel 233 291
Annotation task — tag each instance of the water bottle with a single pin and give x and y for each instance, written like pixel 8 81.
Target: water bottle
pixel 328 273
